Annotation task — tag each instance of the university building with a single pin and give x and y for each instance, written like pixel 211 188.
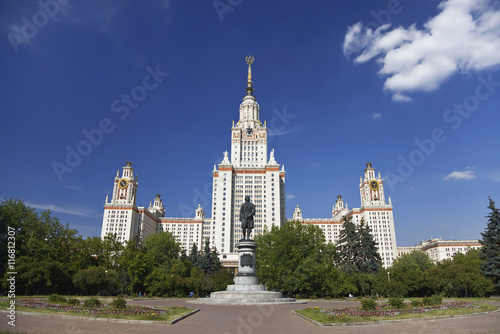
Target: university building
pixel 246 170
pixel 439 249
pixel 374 211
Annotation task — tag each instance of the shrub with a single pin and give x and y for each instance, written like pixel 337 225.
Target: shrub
pixel 73 302
pixel 368 304
pixel 55 298
pixel 134 295
pixel 396 302
pixel 437 299
pixel 92 302
pixel 374 297
pixel 416 303
pixel 433 300
pixel 119 303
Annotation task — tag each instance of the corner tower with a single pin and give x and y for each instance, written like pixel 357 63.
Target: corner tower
pixel 250 172
pixel 378 214
pixel 371 188
pixel 120 212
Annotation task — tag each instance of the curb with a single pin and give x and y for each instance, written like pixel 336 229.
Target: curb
pixel 395 320
pixel 183 317
pixel 127 321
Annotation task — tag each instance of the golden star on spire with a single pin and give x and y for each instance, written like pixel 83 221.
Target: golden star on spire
pixel 249 60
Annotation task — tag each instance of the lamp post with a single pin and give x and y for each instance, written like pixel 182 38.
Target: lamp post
pixel 389 277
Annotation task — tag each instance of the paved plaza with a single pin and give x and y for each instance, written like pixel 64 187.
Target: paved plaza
pixel 221 319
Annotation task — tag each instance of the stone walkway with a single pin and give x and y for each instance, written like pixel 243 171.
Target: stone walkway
pixel 221 319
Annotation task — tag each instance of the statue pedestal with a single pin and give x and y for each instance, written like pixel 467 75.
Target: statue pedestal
pixel 246 265
pixel 246 289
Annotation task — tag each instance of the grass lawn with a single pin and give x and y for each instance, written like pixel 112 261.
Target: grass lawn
pixel 131 312
pixel 385 312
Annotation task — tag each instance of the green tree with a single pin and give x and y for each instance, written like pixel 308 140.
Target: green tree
pixel 161 248
pixel 222 279
pixel 198 282
pixel 95 252
pixel 91 280
pixel 490 252
pixel 158 282
pixel 357 249
pixel 380 284
pixel 348 246
pixel 368 257
pixel 289 258
pixel 194 256
pixel 460 277
pixel 44 248
pixel 178 280
pixel 209 260
pixel 136 264
pixel 409 272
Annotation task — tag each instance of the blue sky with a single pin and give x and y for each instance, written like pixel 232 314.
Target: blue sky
pixel 411 86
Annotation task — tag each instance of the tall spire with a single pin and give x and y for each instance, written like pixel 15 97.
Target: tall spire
pixel 249 88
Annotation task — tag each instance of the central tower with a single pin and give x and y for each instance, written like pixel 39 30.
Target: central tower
pixel 247 173
pixel 249 136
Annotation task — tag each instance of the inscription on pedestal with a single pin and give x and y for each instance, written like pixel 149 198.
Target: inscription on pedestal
pixel 246 260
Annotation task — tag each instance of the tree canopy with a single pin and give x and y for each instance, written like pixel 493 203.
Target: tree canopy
pixel 52 258
pixel 490 252
pixel 357 249
pixel 294 259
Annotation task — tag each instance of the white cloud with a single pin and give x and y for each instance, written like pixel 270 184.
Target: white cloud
pixel 464 36
pixel 69 210
pixel 401 97
pixel 290 196
pixel 460 175
pixel 376 116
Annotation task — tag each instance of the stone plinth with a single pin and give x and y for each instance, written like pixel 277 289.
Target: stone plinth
pixel 246 263
pixel 246 297
pixel 246 289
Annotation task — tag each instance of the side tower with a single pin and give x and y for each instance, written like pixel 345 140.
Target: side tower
pixel 248 172
pixel 378 214
pixel 120 213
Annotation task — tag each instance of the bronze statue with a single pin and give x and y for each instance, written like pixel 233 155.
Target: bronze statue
pixel 247 211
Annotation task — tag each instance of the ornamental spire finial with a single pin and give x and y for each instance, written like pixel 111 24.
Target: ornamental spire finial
pixel 249 88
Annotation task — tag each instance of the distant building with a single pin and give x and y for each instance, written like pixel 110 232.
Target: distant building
pixel 439 249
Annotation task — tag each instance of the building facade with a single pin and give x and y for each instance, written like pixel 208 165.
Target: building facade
pixel 246 171
pixel 439 249
pixel 123 218
pixel 374 211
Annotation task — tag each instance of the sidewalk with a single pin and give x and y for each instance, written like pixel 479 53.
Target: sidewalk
pixel 222 319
